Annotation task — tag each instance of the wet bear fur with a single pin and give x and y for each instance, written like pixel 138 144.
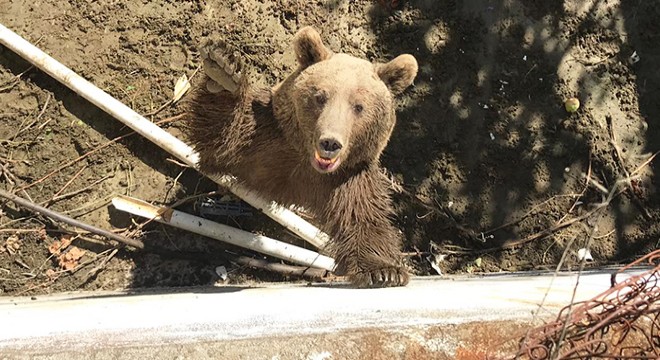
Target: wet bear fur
pixel 274 140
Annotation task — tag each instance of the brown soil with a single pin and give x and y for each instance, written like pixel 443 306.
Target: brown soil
pixel 483 141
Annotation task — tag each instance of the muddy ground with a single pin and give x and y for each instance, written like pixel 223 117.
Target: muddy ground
pixel 491 166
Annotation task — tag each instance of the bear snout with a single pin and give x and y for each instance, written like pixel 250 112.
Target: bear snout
pixel 329 147
pixel 326 158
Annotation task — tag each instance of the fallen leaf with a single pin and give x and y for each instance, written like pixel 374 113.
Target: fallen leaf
pixel 69 265
pixel 69 260
pixel 75 253
pixel 54 248
pixel 58 245
pixel 66 240
pixel 50 273
pixel 477 262
pixel 12 244
pixel 42 234
pixel 181 87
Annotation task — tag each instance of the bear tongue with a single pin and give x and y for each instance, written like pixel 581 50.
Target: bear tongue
pixel 324 161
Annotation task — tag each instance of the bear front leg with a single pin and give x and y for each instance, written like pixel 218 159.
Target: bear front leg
pixel 370 255
pixel 220 111
pixel 367 246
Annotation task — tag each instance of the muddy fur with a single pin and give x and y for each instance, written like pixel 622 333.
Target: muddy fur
pixel 266 138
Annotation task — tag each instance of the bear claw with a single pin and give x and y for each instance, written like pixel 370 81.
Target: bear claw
pixel 222 65
pixel 387 277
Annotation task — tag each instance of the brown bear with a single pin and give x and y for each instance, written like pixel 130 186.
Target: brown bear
pixel 313 140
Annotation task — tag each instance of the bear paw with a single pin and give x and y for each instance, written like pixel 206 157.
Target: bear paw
pixel 385 277
pixel 223 65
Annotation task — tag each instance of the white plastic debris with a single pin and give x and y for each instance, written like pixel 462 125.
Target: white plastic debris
pixel 492 137
pixel 222 272
pixel 634 58
pixel 435 260
pixel 584 254
pixel 483 237
pixel 524 57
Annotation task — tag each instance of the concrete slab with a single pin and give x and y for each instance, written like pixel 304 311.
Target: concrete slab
pixel 433 316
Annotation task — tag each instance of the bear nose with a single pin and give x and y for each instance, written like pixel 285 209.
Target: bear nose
pixel 329 147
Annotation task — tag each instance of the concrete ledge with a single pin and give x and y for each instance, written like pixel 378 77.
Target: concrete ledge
pixel 214 318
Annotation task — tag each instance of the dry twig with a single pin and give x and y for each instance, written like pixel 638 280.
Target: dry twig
pixel 57 198
pixel 67 220
pixel 619 158
pixel 562 223
pixel 281 268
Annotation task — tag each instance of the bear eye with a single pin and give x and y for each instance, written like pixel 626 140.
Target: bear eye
pixel 358 108
pixel 321 98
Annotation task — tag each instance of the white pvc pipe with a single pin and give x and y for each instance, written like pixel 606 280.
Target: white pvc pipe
pixel 154 133
pixel 284 216
pixel 198 225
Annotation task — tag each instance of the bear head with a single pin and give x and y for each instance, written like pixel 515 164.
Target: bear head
pixel 343 105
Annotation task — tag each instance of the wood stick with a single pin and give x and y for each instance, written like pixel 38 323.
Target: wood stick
pixel 281 268
pixel 73 178
pixel 67 220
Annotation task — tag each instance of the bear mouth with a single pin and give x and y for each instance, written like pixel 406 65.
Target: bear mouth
pixel 325 165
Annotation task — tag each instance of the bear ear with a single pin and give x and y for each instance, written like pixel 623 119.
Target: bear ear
pixel 309 47
pixel 399 73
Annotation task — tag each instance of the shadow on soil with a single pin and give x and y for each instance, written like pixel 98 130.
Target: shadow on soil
pixel 483 137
